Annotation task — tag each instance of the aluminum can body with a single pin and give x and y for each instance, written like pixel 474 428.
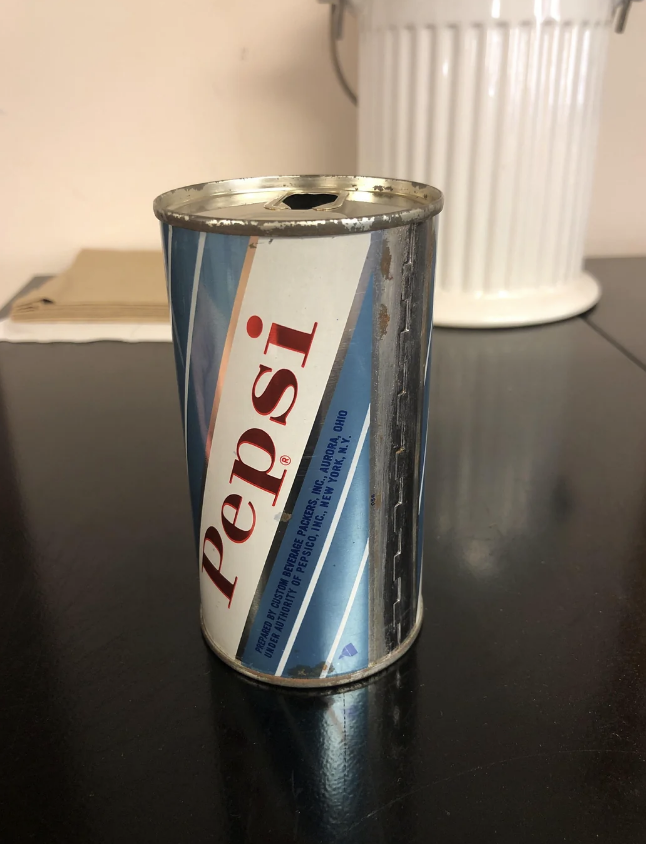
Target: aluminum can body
pixel 301 311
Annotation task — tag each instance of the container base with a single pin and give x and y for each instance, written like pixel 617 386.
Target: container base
pixel 534 307
pixel 317 682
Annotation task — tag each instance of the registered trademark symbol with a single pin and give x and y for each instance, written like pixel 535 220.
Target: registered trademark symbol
pixel 285 460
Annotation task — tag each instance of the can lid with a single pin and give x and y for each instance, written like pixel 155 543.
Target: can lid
pixel 298 206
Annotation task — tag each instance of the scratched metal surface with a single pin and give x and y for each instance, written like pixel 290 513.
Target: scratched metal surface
pixel 519 715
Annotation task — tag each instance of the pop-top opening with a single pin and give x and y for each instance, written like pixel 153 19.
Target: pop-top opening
pixel 308 201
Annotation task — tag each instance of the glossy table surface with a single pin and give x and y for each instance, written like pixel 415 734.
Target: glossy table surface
pixel 518 716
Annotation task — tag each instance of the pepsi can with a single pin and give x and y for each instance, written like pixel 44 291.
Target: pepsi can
pixel 301 315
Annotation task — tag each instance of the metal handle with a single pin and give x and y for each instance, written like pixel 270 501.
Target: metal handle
pixel 337 11
pixel 622 15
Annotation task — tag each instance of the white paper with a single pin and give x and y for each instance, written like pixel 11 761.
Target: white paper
pixel 84 332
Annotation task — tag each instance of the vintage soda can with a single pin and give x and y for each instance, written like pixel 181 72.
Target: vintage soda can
pixel 301 311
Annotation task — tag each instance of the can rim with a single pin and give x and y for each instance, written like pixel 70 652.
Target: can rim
pixel 428 202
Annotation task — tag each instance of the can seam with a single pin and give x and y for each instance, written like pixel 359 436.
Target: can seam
pixel 317 682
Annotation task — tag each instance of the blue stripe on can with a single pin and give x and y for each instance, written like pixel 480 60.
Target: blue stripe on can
pixel 167 235
pixel 165 232
pixel 330 598
pixel 222 261
pixel 353 641
pixel 309 528
pixel 183 254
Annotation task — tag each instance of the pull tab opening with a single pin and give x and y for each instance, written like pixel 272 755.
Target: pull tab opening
pixel 308 201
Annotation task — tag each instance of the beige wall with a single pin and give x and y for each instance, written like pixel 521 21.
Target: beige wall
pixel 105 103
pixel 617 218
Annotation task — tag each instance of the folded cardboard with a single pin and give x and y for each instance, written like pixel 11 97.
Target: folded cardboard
pixel 100 286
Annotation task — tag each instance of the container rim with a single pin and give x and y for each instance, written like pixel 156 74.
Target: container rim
pixel 425 201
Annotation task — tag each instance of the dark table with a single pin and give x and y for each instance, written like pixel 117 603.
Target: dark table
pixel 520 714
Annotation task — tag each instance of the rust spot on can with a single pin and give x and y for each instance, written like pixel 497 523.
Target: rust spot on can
pixel 308 672
pixel 383 319
pixel 386 260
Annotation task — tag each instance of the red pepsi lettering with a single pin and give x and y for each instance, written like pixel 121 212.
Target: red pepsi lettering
pixel 265 401
pixel 225 586
pixel 290 338
pixel 258 477
pixel 268 400
pixel 235 533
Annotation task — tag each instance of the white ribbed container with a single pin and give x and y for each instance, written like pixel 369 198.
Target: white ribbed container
pixel 496 102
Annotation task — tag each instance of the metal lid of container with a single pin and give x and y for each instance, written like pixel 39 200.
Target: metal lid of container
pixel 298 206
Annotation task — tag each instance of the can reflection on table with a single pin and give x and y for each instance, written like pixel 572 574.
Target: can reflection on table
pixel 301 310
pixel 325 765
